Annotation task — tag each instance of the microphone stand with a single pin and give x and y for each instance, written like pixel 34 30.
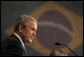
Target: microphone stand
pixel 70 50
pixel 67 47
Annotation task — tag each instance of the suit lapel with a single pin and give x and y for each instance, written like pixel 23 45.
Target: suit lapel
pixel 14 36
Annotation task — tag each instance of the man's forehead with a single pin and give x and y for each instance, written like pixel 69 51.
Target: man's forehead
pixel 31 22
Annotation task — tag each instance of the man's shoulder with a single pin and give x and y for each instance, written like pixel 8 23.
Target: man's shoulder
pixel 12 46
pixel 11 40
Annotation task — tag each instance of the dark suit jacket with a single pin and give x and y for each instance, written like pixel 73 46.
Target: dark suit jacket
pixel 12 47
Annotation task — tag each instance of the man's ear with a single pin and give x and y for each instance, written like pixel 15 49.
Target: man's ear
pixel 21 28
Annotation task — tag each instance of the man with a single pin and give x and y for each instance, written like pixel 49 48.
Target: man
pixel 24 32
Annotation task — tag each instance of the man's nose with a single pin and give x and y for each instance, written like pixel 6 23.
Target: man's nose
pixel 34 33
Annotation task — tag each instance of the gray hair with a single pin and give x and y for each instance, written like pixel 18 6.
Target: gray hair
pixel 23 20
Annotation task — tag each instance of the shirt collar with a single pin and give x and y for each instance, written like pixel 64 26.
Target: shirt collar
pixel 19 38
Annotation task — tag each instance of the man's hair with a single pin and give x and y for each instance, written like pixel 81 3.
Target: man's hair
pixel 23 20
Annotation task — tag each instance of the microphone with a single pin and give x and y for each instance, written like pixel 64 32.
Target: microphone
pixel 56 43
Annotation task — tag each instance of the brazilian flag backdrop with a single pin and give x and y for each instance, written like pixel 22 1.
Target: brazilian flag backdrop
pixel 56 24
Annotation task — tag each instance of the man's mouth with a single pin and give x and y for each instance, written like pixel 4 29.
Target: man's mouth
pixel 32 37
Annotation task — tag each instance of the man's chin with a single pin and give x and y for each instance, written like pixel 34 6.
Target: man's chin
pixel 30 41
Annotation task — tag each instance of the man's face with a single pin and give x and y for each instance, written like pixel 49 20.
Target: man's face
pixel 30 31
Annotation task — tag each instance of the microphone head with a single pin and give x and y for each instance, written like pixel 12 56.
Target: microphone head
pixel 56 43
